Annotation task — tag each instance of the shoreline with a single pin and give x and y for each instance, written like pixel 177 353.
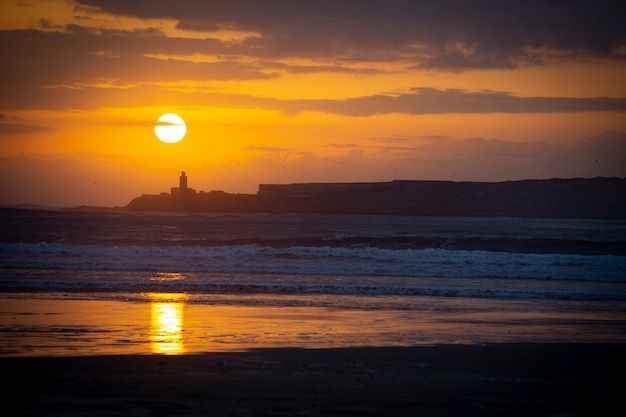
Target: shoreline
pixel 495 379
pixel 175 323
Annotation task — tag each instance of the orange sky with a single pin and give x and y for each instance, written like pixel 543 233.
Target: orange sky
pixel 282 91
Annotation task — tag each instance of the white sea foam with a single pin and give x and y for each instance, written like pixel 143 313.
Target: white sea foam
pixel 371 261
pixel 362 261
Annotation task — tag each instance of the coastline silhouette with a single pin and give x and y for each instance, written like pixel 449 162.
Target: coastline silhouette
pixel 602 198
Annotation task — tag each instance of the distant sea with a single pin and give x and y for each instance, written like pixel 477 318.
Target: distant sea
pixel 561 280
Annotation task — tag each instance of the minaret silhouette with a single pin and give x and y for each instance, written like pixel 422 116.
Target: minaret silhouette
pixel 183 181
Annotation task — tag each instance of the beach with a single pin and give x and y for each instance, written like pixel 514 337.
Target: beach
pixel 70 324
pixel 65 355
pixel 316 208
pixel 445 380
pixel 170 314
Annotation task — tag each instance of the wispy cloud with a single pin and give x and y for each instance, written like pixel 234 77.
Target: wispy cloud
pixel 266 148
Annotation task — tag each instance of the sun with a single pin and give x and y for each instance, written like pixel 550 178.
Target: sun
pixel 170 128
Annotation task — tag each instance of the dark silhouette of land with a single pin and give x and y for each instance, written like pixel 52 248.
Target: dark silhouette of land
pixel 601 198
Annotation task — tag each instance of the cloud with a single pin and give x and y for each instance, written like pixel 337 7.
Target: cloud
pixel 84 56
pixel 47 24
pixel 19 128
pixel 77 179
pixel 89 67
pixel 266 148
pixel 80 58
pixel 447 34
pixel 432 101
pixel 418 101
pixel 472 159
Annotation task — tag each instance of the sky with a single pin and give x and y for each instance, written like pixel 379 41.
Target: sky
pixel 287 91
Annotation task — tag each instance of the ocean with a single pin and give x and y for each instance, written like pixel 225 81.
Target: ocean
pixel 89 282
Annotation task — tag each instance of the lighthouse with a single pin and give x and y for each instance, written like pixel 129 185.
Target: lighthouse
pixel 182 192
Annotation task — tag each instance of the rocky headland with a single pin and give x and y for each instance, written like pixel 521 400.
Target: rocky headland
pixel 601 198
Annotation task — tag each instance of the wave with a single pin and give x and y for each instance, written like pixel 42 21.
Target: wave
pixel 491 244
pixel 207 284
pixel 317 260
pixel 124 229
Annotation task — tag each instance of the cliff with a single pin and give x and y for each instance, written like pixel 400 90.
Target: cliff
pixel 602 198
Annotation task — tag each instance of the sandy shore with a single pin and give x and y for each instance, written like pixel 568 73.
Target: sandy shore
pixel 450 380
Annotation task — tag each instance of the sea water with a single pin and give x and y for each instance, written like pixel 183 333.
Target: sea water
pixel 375 280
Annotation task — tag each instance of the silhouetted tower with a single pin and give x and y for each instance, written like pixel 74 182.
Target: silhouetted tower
pixel 182 181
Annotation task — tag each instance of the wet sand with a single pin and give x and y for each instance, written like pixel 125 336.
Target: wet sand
pixel 447 380
pixel 34 325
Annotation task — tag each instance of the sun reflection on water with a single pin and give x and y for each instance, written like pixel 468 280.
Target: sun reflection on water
pixel 166 330
pixel 167 276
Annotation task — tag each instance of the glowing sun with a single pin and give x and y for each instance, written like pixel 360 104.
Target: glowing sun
pixel 170 128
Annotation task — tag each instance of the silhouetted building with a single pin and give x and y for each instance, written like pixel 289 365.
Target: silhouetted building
pixel 313 188
pixel 182 191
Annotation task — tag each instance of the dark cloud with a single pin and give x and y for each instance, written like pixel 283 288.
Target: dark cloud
pixel 48 24
pixel 60 68
pixel 433 101
pixel 447 34
pixel 19 128
pixel 417 101
pixel 82 55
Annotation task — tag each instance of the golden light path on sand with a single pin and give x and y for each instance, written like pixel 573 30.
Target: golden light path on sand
pixel 48 324
pixel 166 331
